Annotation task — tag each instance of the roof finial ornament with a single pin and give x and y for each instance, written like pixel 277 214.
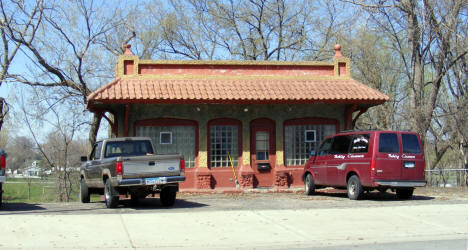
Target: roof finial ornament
pixel 338 51
pixel 127 50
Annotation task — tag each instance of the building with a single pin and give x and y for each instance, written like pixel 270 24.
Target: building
pixel 267 116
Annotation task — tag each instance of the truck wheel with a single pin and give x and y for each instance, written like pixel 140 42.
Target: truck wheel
pixel 111 196
pixel 1 194
pixel 309 185
pixel 84 192
pixel 354 188
pixel 167 197
pixel 404 193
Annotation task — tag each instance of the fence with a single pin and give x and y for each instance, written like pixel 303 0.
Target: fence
pixel 447 177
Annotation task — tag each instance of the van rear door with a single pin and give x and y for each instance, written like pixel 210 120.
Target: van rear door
pixel 412 157
pixel 388 162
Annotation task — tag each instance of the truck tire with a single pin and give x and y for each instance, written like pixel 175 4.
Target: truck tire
pixel 404 193
pixel 354 188
pixel 84 192
pixel 167 196
pixel 1 194
pixel 111 196
pixel 309 185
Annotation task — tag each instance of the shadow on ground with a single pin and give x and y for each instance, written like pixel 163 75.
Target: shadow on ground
pixel 20 207
pixel 93 207
pixel 373 196
pixel 154 203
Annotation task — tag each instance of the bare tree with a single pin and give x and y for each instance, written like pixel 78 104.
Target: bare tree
pixel 239 29
pixel 21 150
pixel 424 34
pixel 26 19
pixel 67 54
pixel 44 108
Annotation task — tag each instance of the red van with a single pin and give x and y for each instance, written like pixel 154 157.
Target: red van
pixel 367 160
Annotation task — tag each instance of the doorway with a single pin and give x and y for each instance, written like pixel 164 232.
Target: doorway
pixel 263 151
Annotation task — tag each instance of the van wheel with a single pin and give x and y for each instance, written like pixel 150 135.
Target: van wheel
pixel 309 185
pixel 354 188
pixel 167 197
pixel 84 192
pixel 404 193
pixel 111 196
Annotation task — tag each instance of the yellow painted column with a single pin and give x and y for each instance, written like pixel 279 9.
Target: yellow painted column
pixel 279 142
pixel 246 142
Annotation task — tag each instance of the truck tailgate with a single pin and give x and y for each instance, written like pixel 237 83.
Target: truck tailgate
pixel 151 166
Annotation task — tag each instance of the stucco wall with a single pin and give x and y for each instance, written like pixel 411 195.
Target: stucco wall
pixel 244 113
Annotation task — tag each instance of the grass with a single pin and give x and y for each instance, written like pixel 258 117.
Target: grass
pixel 33 190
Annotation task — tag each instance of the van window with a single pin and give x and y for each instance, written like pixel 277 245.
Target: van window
pixel 388 143
pixel 325 147
pixel 410 144
pixel 360 144
pixel 341 144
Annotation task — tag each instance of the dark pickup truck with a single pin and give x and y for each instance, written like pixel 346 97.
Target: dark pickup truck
pixel 120 166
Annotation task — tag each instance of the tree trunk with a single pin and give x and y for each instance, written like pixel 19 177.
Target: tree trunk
pixel 96 122
pixel 2 115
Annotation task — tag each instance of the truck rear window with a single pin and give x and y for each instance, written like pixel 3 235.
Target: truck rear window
pixel 127 148
pixel 410 144
pixel 388 143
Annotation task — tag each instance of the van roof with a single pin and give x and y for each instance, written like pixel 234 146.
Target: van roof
pixel 374 131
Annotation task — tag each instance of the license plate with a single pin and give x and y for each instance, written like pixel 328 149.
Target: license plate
pixel 409 164
pixel 156 180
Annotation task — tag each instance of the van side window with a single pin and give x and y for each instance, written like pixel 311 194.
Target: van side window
pixel 341 144
pixel 410 144
pixel 325 147
pixel 388 143
pixel 360 144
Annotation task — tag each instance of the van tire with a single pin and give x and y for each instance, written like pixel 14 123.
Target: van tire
pixel 309 185
pixel 404 193
pixel 111 197
pixel 84 191
pixel 354 188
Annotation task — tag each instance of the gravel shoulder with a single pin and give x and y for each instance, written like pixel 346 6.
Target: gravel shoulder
pixel 198 202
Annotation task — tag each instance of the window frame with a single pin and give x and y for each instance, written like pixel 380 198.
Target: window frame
pixel 307 121
pixel 172 122
pixel 170 137
pixel 315 135
pixel 224 122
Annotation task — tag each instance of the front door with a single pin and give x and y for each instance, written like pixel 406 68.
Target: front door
pixel 263 151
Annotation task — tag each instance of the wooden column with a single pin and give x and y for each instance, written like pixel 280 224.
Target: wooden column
pixel 127 111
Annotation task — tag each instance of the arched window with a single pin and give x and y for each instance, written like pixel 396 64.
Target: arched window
pixel 303 135
pixel 172 136
pixel 224 139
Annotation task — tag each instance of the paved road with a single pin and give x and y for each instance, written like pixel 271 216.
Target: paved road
pixel 252 221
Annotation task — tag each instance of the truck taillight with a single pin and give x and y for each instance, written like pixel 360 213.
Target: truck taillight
pixel 182 165
pixel 118 168
pixel 2 162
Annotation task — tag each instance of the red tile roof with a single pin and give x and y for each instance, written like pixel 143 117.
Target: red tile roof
pixel 236 90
